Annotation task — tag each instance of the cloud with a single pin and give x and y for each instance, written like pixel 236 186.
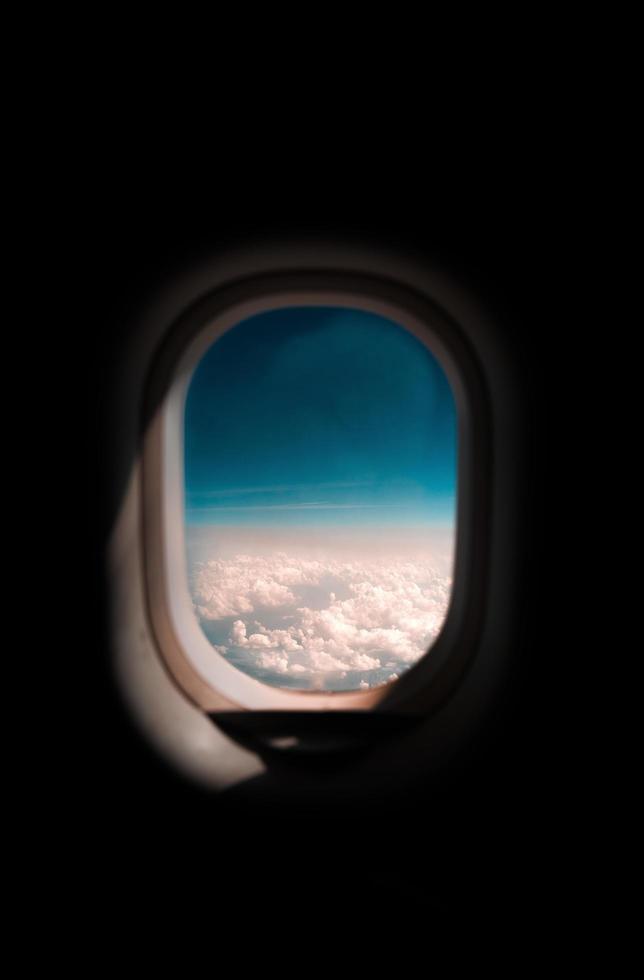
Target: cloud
pixel 308 505
pixel 379 617
pixel 230 588
pixel 279 488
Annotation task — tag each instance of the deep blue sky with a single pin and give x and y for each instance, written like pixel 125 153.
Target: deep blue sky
pixel 316 416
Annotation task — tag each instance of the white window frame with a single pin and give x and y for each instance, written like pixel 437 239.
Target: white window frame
pixel 205 675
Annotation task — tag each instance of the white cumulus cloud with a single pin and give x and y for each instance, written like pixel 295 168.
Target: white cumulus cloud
pixel 380 616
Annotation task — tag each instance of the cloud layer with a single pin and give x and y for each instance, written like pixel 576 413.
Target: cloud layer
pixel 320 624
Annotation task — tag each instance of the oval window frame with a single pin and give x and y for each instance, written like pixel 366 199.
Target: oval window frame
pixel 203 674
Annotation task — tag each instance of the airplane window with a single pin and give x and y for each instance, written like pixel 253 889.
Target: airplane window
pixel 320 486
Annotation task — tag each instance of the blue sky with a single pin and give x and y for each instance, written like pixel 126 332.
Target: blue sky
pixel 319 416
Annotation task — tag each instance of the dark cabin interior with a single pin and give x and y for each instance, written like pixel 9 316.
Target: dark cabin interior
pixel 475 839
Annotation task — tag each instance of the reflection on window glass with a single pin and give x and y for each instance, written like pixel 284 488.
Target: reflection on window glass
pixel 320 486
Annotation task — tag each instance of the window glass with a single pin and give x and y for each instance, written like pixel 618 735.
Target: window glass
pixel 320 465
